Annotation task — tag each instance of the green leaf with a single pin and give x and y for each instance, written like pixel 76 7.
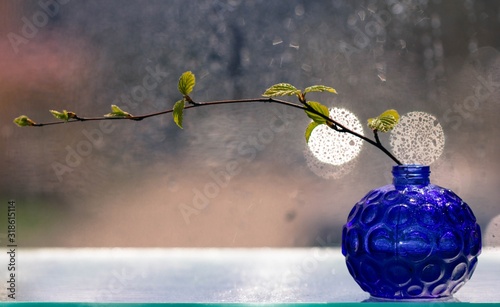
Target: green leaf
pixel 60 115
pixel 23 121
pixel 117 112
pixel 178 112
pixel 385 122
pixel 320 88
pixel 281 89
pixel 319 108
pixel 186 83
pixel 310 129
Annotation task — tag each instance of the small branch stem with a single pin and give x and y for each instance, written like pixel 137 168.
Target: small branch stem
pixel 375 134
pixel 381 147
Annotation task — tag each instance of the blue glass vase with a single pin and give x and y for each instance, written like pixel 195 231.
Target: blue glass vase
pixel 411 239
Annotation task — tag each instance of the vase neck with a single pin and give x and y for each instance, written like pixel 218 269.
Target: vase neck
pixel 411 174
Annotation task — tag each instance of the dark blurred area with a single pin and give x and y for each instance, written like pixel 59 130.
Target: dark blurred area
pixel 148 183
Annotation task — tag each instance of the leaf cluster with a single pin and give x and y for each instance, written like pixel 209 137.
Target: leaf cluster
pixel 316 111
pixel 186 84
pixel 64 115
pixel 23 121
pixel 117 112
pixel 385 122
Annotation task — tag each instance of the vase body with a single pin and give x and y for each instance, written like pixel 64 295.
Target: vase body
pixel 411 239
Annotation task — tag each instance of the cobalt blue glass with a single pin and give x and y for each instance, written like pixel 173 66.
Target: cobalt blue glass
pixel 411 239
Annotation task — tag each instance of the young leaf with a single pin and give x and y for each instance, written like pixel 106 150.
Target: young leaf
pixel 178 112
pixel 310 129
pixel 117 112
pixel 320 88
pixel 281 89
pixel 60 115
pixel 186 83
pixel 318 107
pixel 23 121
pixel 384 122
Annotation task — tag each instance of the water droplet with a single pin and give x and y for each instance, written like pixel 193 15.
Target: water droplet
pixel 277 41
pixel 299 10
pixel 397 8
pixel 362 15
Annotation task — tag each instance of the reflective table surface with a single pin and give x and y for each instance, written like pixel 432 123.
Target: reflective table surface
pixel 213 275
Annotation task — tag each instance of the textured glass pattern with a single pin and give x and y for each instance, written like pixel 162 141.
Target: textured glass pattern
pixel 418 138
pixel 411 239
pixel 333 147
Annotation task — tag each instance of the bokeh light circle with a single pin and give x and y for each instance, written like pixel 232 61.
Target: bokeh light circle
pixel 417 138
pixel 333 147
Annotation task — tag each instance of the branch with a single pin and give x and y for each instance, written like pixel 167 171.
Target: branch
pixel 77 118
pixel 314 110
pixel 330 122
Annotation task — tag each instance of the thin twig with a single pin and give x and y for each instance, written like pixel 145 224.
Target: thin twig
pixel 381 147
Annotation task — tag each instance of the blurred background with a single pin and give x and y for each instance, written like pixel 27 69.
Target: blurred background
pixel 236 175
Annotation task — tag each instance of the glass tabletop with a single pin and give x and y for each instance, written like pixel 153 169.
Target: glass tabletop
pixel 208 275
